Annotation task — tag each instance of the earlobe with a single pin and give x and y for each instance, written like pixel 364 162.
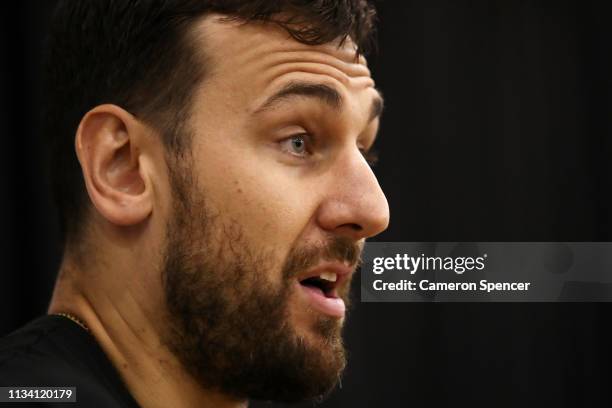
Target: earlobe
pixel 108 146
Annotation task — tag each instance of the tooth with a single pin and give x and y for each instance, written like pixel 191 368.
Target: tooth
pixel 328 276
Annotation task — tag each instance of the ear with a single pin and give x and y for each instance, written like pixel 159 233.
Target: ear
pixel 109 145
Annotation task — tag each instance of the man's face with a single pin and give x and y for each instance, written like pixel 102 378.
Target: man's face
pixel 269 212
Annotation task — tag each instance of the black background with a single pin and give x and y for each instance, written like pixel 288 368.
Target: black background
pixel 497 128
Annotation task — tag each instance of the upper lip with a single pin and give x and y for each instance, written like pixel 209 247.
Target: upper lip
pixel 343 272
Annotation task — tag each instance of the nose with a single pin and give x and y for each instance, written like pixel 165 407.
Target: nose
pixel 355 205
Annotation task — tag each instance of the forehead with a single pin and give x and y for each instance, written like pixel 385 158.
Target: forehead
pixel 259 54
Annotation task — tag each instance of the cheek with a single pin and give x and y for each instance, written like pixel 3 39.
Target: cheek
pixel 271 204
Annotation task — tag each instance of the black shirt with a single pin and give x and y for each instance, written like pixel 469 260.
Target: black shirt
pixel 54 351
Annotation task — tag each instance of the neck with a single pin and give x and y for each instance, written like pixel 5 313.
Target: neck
pixel 127 332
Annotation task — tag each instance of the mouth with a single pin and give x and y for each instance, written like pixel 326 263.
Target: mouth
pixel 321 288
pixel 325 283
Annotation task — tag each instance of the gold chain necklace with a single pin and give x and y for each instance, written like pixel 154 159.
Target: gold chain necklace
pixel 74 319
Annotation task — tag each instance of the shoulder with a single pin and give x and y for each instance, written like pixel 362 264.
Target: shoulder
pixel 40 351
pixel 54 352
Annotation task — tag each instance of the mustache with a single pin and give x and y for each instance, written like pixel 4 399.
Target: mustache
pixel 339 249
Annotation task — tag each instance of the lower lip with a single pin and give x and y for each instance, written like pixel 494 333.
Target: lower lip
pixel 334 307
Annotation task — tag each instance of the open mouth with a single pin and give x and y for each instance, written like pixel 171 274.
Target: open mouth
pixel 325 283
pixel 321 287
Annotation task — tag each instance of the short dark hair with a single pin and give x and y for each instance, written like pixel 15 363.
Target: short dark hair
pixel 137 54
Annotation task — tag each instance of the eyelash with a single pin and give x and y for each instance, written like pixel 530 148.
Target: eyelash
pixel 371 156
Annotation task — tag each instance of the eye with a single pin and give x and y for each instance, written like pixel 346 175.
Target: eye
pixel 296 145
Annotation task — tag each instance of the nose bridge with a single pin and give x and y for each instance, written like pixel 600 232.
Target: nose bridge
pixel 356 198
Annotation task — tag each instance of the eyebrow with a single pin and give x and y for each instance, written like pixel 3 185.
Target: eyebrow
pixel 325 93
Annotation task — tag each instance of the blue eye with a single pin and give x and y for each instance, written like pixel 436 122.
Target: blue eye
pixel 296 145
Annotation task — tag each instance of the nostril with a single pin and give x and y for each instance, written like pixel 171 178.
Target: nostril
pixel 354 227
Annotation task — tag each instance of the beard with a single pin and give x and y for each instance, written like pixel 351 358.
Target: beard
pixel 228 303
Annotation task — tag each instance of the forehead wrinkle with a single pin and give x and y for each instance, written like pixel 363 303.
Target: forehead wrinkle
pixel 309 56
pixel 276 68
pixel 258 50
pixel 266 55
pixel 279 67
pixel 275 84
pixel 263 44
pixel 275 73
